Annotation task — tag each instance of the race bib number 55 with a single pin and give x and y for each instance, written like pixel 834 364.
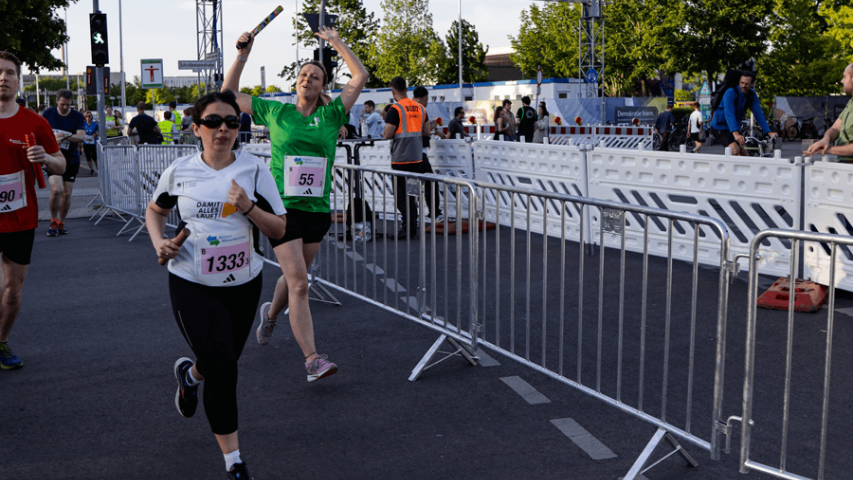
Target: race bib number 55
pixel 13 196
pixel 304 176
pixel 225 258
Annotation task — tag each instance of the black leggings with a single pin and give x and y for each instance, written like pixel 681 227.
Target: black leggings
pixel 216 321
pixel 91 152
pixel 408 205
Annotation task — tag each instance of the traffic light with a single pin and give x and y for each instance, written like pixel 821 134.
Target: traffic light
pixel 328 64
pixel 98 38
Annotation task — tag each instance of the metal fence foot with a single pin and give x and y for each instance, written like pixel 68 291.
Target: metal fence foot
pixel 321 293
pixel 639 466
pixel 460 350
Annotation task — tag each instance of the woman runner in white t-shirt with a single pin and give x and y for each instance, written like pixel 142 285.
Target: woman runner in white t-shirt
pixel 304 138
pixel 226 199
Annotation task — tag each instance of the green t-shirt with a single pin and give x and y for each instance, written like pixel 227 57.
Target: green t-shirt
pixel 846 135
pixel 293 134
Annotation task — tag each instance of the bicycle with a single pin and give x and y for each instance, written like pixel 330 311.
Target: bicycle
pixel 762 146
pixel 803 128
pixel 678 135
pixel 827 123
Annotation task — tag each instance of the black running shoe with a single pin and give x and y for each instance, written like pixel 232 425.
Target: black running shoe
pixel 239 471
pixel 186 398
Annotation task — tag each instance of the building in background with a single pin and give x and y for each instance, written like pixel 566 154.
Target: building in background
pixel 501 68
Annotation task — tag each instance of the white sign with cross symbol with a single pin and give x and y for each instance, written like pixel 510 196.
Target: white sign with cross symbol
pixel 152 73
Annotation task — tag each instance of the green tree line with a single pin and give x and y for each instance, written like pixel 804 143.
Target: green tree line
pixel 800 46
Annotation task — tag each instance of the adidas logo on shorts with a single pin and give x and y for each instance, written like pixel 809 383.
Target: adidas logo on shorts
pixel 6 208
pixel 307 192
pixel 230 279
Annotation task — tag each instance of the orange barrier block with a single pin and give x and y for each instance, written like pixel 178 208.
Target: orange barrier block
pixel 808 296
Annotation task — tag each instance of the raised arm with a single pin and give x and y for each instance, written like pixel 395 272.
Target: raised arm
pixel 232 78
pixel 353 88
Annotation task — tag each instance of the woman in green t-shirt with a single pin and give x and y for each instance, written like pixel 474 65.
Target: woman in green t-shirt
pixel 304 140
pixel 113 124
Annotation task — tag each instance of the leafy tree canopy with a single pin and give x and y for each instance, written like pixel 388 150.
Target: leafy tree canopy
pixel 45 31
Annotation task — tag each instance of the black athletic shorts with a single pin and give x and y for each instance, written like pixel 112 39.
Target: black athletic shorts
pixel 723 137
pixel 311 227
pixel 71 170
pixel 18 246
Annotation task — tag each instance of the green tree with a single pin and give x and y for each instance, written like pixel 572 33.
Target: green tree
pixel 273 89
pixel 840 19
pixel 407 45
pixel 548 37
pixel 805 59
pixel 357 28
pixel 44 28
pixel 474 68
pixel 636 36
pixel 159 96
pixel 716 34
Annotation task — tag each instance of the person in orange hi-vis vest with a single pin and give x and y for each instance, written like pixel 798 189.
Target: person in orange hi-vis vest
pixel 405 124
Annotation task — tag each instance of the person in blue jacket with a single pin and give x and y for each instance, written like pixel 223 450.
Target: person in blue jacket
pixel 727 118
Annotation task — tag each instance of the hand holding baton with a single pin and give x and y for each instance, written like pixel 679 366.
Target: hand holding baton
pixel 179 240
pixel 266 21
pixel 31 142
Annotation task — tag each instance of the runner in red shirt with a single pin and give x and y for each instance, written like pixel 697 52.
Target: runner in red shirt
pixel 18 207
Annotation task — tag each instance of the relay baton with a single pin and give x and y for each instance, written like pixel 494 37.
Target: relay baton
pixel 179 240
pixel 261 26
pixel 31 142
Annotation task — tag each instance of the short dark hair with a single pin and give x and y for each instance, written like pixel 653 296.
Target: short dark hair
pixel 398 84
pixel 20 101
pixel 202 103
pixel 457 111
pixel 420 92
pixel 669 106
pixel 167 115
pixel 6 55
pixel 387 107
pixel 66 94
pixel 525 100
pixel 42 107
pixel 369 102
pixel 188 111
pixel 173 105
pixel 140 105
pixel 506 100
pixel 747 73
pixel 695 104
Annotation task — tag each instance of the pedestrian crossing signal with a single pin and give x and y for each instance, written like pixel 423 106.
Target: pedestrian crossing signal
pixel 98 38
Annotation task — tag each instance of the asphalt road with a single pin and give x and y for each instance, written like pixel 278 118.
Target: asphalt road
pixel 95 399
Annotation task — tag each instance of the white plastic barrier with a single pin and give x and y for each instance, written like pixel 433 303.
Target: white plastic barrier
pixel 551 168
pixel 748 194
pixel 829 209
pixel 452 158
pixel 624 137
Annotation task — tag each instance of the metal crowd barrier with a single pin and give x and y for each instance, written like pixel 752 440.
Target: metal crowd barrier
pixel 615 368
pixel 128 177
pixel 803 398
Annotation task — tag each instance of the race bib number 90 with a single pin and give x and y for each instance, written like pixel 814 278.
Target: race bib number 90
pixel 304 176
pixel 13 196
pixel 224 259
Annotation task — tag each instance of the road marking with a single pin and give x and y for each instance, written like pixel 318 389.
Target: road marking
pixel 486 360
pixel 393 285
pixel 355 255
pixel 583 439
pixel 374 269
pixel 638 477
pixel 526 391
pixel 845 311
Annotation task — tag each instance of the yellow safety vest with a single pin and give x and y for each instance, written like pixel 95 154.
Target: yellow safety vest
pixel 176 117
pixel 166 130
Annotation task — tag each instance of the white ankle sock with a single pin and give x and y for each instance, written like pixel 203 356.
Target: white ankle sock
pixel 190 379
pixel 231 459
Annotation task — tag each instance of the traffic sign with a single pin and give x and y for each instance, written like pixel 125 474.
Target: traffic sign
pixel 591 76
pixel 152 73
pixel 539 76
pixel 705 90
pixel 196 64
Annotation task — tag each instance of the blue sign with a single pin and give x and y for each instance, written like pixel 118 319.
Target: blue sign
pixel 591 76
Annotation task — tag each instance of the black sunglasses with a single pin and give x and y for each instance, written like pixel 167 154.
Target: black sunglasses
pixel 215 121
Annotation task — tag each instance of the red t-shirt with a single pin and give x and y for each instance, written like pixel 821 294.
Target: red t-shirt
pixel 16 213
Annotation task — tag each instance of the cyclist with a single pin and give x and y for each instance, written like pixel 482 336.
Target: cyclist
pixel 224 198
pixel 735 103
pixel 304 139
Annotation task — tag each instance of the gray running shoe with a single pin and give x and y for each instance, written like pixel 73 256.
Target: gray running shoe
pixel 265 329
pixel 320 367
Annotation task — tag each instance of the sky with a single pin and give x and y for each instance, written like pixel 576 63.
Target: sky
pixel 167 29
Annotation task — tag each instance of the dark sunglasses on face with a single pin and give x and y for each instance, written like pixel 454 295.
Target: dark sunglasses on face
pixel 215 121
